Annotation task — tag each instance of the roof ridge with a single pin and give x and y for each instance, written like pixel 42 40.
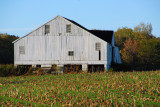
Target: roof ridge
pixel 76 23
pixel 100 30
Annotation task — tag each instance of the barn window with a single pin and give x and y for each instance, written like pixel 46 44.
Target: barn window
pixel 21 50
pixel 70 53
pixel 98 46
pixel 47 29
pixel 68 28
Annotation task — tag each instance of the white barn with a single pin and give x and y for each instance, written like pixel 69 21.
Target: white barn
pixel 62 42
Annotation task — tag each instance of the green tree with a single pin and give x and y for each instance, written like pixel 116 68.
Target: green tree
pixel 7 48
pixel 149 53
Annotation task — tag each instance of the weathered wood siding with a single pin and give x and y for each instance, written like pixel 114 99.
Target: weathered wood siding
pixel 52 48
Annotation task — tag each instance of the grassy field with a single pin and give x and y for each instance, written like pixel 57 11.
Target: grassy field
pixel 96 89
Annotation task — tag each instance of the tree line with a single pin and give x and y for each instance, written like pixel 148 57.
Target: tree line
pixel 139 48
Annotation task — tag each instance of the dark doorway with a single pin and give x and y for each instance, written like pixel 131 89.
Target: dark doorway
pixel 38 66
pixel 22 69
pixel 96 68
pixel 99 54
pixel 72 68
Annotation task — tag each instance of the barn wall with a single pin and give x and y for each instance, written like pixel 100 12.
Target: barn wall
pixel 109 56
pixel 53 48
pixel 116 55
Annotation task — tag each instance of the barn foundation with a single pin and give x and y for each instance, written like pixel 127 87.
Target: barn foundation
pixel 96 68
pixel 84 67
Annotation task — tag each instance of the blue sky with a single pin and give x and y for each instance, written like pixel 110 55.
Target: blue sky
pixel 19 17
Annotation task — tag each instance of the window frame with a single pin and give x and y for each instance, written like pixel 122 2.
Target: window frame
pixel 68 28
pixel 47 29
pixel 98 46
pixel 70 53
pixel 21 50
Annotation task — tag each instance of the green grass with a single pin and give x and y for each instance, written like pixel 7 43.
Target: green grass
pixel 97 89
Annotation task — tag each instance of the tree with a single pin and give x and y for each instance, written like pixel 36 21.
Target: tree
pixel 144 29
pixel 121 35
pixel 149 54
pixel 6 48
pixel 139 47
pixel 130 52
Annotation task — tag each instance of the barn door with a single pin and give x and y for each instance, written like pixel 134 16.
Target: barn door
pixel 99 54
pixel 98 48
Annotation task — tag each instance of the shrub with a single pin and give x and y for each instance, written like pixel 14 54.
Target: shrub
pixel 9 70
pixel 54 69
pixel 120 67
pixel 30 71
pixel 40 71
pixel 6 70
pixel 111 69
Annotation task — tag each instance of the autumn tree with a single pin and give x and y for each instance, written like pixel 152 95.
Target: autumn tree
pixel 121 35
pixel 130 52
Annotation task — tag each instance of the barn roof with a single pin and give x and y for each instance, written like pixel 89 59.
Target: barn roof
pixel 105 35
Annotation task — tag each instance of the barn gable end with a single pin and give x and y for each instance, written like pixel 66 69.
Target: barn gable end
pixel 62 41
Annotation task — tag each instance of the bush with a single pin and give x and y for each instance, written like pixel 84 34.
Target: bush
pixel 40 71
pixel 120 67
pixel 10 70
pixel 54 69
pixel 30 71
pixel 110 69
pixel 22 69
pixel 6 70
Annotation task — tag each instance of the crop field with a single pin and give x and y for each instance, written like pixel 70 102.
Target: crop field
pixel 95 89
